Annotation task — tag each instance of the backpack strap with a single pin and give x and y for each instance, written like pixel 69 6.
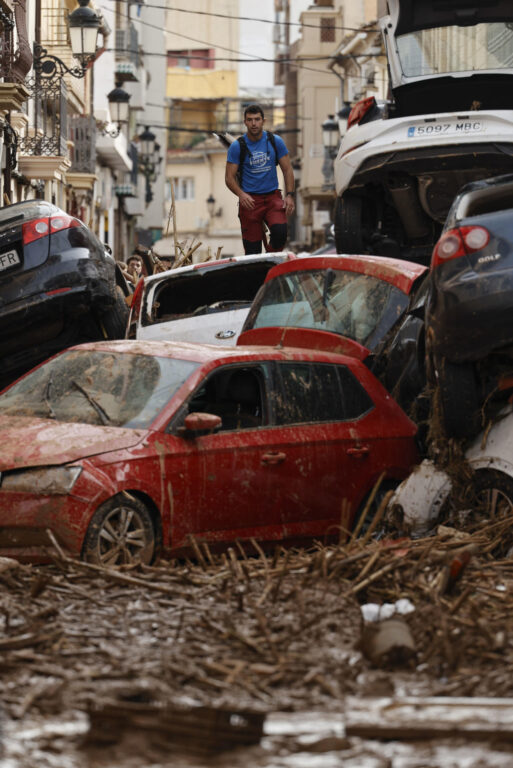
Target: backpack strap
pixel 272 139
pixel 244 149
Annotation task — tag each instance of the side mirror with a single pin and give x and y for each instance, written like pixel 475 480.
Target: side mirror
pixel 202 422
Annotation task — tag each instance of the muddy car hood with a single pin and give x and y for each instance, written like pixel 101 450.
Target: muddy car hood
pixel 32 442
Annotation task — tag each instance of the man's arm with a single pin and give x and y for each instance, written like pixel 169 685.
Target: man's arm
pixel 288 176
pixel 230 179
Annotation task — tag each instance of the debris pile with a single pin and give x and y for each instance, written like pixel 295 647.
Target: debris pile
pixel 261 632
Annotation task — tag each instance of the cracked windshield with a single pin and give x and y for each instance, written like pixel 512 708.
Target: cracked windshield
pixel 361 307
pixel 98 388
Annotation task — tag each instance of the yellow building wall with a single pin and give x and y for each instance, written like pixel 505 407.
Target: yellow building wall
pixel 201 83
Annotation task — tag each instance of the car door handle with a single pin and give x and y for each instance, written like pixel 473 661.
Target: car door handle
pixel 359 451
pixel 275 457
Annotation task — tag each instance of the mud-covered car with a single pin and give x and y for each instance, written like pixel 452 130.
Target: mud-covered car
pixel 370 307
pixel 206 302
pixel 449 122
pixel 59 285
pixel 469 313
pixel 121 447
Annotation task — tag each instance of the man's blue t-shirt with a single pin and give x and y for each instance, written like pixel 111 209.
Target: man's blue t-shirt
pixel 259 170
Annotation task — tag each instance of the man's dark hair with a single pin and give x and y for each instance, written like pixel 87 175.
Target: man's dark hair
pixel 253 109
pixel 134 257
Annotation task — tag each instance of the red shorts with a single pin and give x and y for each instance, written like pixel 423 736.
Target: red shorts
pixel 268 208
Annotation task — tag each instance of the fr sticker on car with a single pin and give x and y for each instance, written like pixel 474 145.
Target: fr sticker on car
pixel 9 259
pixel 462 127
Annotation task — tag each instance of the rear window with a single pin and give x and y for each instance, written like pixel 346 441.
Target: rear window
pixel 29 209
pixel 107 388
pixel 473 48
pixel 204 292
pixel 360 307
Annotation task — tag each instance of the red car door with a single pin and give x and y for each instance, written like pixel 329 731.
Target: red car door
pixel 228 495
pixel 335 441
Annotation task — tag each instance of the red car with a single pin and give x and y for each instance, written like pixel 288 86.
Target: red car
pixel 126 448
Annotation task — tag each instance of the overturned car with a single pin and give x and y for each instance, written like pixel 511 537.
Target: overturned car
pixel 450 122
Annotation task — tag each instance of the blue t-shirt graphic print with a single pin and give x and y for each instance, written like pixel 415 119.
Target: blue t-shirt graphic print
pixel 259 170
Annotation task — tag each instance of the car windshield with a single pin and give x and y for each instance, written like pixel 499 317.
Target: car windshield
pixel 361 307
pixel 109 388
pixel 444 50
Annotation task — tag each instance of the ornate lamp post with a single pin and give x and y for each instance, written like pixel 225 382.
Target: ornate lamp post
pixel 118 100
pixel 149 160
pixel 83 26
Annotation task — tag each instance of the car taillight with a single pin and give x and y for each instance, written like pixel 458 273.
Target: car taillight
pixel 461 241
pixel 359 110
pixel 33 230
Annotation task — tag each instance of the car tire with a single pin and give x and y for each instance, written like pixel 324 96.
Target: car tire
pixel 458 398
pixel 121 532
pixel 114 320
pixel 349 224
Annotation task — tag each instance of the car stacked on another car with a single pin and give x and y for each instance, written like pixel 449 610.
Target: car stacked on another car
pixel 206 302
pixel 450 122
pixel 469 313
pixel 123 447
pixel 370 307
pixel 58 285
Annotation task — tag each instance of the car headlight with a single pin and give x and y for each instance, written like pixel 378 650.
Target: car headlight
pixel 47 480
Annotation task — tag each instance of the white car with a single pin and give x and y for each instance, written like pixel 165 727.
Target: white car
pixel 449 122
pixel 206 302
pixel 427 497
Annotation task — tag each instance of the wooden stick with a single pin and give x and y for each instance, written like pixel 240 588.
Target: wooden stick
pixel 371 498
pixel 173 208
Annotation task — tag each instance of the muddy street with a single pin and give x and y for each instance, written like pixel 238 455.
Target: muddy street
pixel 107 667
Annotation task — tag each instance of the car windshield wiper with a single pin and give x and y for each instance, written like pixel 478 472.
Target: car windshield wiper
pixel 97 407
pixel 47 398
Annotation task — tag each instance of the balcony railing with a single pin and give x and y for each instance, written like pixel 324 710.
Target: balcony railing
pixel 48 106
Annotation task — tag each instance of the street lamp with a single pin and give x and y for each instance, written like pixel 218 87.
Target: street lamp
pixel 83 28
pixel 330 140
pixel 211 207
pixel 118 100
pixel 343 117
pixel 149 160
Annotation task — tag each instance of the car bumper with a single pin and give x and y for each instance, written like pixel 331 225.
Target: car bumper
pixel 472 319
pixel 25 518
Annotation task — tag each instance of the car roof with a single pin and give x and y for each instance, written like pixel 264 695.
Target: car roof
pixel 207 266
pixel 207 353
pixel 403 274
pixel 412 15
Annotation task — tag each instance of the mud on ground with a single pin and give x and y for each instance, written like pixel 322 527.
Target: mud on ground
pixel 264 634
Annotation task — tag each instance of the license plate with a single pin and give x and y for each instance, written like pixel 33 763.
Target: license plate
pixel 9 259
pixel 461 128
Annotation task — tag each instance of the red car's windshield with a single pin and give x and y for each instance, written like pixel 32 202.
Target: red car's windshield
pixel 108 388
pixel 360 307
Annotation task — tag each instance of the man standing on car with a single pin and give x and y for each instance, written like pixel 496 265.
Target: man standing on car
pixel 251 175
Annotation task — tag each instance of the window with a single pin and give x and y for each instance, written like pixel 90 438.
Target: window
pixel 328 30
pixel 361 307
pixel 184 188
pixel 233 393
pixel 317 392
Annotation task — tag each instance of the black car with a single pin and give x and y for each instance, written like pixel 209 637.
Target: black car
pixel 469 314
pixel 59 285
